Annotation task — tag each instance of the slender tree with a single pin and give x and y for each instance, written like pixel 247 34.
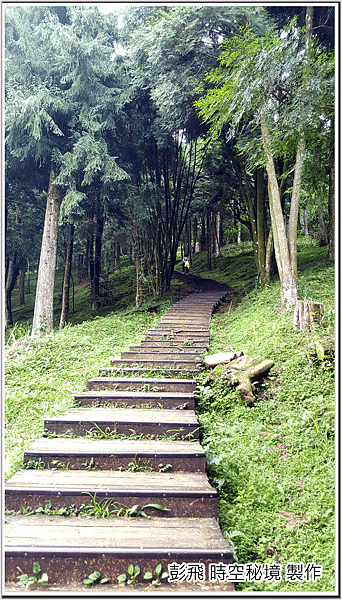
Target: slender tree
pixel 277 81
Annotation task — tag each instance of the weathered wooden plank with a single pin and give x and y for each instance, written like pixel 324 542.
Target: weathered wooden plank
pixel 166 400
pixel 122 370
pixel 157 364
pixel 186 386
pixel 78 453
pixel 167 347
pixel 182 494
pixel 196 338
pixel 123 421
pixel 162 355
pixel 183 329
pixel 198 345
pixel 76 547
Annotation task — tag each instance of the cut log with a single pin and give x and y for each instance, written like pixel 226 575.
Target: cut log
pixel 211 360
pixel 241 372
pixel 307 313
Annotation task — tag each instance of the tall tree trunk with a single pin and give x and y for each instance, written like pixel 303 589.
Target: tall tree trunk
pixel 331 208
pixel 21 291
pixel 208 240
pixel 323 236
pixel 66 279
pixel 293 219
pixel 28 286
pixel 217 233
pixel 97 253
pixel 305 220
pixel 195 234
pixel 255 211
pixel 43 308
pixel 11 278
pixel 268 257
pixel 289 286
pixel 137 262
pixel 239 232
pixel 98 250
pixel 117 255
pixel 203 238
pixel 260 227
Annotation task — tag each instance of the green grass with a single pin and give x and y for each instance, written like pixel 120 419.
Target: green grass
pixel 272 462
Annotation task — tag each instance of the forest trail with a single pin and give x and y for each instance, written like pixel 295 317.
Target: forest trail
pixel 152 465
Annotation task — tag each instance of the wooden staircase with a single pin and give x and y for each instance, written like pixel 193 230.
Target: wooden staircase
pixel 131 444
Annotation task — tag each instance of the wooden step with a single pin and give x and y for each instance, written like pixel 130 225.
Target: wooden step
pixel 123 421
pixel 181 328
pixel 157 364
pixel 81 453
pixel 144 354
pixel 196 338
pixel 167 347
pixel 182 494
pixel 198 345
pixel 184 320
pixel 185 386
pixel 135 371
pixel 168 400
pixel 69 549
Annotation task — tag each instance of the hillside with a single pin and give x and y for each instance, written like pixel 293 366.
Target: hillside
pixel 272 462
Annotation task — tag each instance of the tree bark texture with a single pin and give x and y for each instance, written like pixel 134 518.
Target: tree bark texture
pixel 208 240
pixel 331 208
pixel 11 278
pixel 28 283
pixel 241 372
pixel 289 286
pixel 98 251
pixel 43 308
pixel 306 313
pixel 255 211
pixel 66 279
pixel 217 232
pixel 21 291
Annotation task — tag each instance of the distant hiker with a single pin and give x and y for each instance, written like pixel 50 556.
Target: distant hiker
pixel 186 265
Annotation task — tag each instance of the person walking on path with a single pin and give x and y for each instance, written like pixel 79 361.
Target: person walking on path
pixel 186 265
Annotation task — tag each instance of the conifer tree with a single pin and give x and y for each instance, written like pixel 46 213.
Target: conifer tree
pixel 59 84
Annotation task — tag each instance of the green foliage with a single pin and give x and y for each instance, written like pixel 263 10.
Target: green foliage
pixel 158 575
pixel 264 74
pixel 139 465
pixel 273 462
pixel 133 573
pixel 94 578
pixel 33 580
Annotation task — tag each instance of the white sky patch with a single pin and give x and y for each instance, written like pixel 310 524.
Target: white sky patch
pixel 109 7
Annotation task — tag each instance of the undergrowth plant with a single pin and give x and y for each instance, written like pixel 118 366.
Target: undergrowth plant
pixel 156 576
pixel 95 578
pixel 273 462
pixel 34 579
pixel 133 572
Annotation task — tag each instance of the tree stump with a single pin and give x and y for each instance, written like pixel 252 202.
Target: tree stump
pixel 306 313
pixel 241 372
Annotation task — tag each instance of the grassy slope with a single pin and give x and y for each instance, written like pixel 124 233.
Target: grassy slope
pixel 272 463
